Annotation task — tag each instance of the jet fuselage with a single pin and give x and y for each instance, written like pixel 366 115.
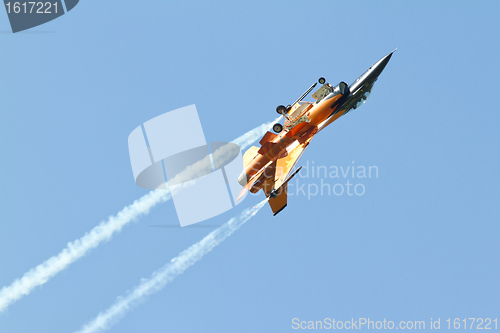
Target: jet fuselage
pixel 337 102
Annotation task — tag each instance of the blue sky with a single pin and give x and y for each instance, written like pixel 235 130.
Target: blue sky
pixel 421 243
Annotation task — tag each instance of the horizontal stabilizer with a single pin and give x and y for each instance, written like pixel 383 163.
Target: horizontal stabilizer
pixel 266 147
pixel 268 137
pixel 267 143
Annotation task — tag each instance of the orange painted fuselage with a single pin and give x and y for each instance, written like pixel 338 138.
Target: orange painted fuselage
pixel 270 151
pixel 270 167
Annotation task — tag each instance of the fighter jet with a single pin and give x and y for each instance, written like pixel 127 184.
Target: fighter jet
pixel 269 167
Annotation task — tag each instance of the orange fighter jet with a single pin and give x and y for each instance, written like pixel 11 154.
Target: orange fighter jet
pixel 270 167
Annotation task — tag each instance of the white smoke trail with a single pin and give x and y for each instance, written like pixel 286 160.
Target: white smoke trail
pixel 169 272
pixel 78 248
pixel 102 232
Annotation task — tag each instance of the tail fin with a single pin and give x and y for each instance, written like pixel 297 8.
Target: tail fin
pixel 279 202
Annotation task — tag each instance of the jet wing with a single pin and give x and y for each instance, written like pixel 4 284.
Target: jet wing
pixel 285 164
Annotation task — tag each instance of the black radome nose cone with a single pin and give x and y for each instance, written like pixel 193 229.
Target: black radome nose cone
pixel 379 66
